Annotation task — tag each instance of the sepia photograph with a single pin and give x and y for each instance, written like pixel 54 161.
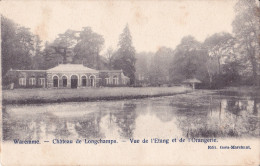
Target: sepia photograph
pixel 150 82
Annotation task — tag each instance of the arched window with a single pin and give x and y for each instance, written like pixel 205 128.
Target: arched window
pixel 64 81
pixel 83 81
pixel 107 81
pixel 92 81
pixel 22 81
pixel 32 81
pixel 55 81
pixel 41 81
pixel 115 80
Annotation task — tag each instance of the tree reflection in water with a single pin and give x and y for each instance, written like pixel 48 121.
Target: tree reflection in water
pixel 197 114
pixel 125 119
pixel 223 117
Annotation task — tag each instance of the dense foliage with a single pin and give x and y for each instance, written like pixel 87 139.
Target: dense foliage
pixel 17 46
pixel 223 59
pixel 125 56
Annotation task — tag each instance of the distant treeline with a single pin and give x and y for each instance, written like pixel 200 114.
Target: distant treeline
pixel 223 59
pixel 23 50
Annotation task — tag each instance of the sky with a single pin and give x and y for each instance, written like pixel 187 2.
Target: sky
pixel 153 23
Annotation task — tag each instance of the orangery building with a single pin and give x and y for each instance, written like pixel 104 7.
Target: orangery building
pixel 68 76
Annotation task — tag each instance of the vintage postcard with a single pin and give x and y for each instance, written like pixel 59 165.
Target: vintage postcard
pixel 150 82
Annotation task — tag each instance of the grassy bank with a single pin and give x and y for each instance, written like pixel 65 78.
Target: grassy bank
pixel 30 96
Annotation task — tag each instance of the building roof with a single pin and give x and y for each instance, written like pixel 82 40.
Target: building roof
pixel 72 68
pixel 109 71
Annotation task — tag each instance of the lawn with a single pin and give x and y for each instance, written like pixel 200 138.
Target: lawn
pixel 89 94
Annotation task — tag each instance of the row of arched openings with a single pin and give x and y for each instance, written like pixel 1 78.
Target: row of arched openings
pixel 114 80
pixel 74 81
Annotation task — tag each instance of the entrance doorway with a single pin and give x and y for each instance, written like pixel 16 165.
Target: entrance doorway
pixel 74 81
pixel 83 81
pixel 55 81
pixel 64 81
pixel 92 81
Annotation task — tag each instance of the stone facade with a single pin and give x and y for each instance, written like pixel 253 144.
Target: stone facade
pixel 68 76
pixel 28 78
pixel 112 77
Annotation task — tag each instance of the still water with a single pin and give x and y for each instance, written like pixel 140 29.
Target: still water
pixel 196 114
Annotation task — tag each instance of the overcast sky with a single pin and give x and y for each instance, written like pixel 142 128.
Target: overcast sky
pixel 153 23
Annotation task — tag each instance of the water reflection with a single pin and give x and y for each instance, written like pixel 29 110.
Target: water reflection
pixel 197 114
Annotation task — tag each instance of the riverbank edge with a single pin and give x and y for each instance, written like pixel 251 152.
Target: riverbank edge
pixel 89 99
pixel 252 90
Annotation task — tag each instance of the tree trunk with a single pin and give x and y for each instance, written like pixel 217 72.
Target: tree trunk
pixel 219 71
pixel 210 76
pixel 65 56
pixel 254 67
pixel 109 64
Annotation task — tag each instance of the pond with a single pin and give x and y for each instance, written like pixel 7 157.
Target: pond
pixel 201 113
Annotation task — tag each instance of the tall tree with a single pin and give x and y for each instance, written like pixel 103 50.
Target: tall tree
pixel 219 45
pixel 60 50
pixel 64 45
pixel 189 61
pixel 125 58
pixel 38 60
pixel 160 65
pixel 75 47
pixel 88 48
pixel 109 55
pixel 17 46
pixel 8 37
pixel 142 65
pixel 246 30
pixel 51 57
pixel 25 47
